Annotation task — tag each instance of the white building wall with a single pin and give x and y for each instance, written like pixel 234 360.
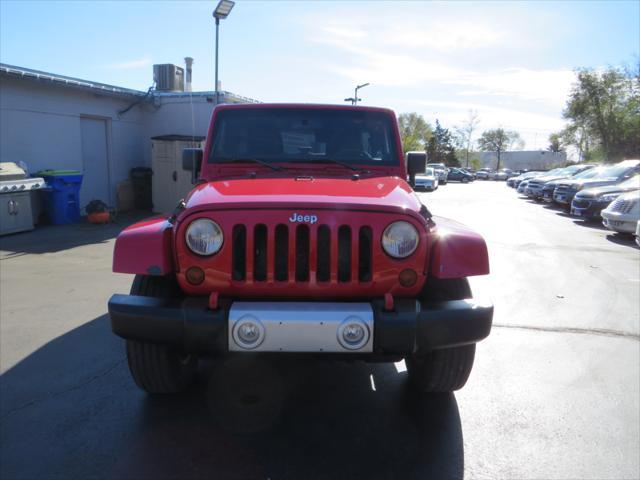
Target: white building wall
pixel 40 125
pixel 525 159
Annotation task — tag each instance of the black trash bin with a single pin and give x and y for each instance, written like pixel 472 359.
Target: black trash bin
pixel 141 179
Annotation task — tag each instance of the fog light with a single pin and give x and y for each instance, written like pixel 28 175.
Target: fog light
pixel 408 277
pixel 248 332
pixel 353 333
pixel 195 275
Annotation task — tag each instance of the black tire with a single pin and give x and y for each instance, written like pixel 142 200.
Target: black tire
pixel 447 369
pixel 464 180
pixel 155 368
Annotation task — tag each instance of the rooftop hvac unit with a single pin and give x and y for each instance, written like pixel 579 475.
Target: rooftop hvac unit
pixel 168 77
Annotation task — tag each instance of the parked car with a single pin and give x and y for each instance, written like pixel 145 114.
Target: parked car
pixel 459 175
pixel 549 188
pixel 515 181
pixel 534 188
pixel 598 177
pixel 590 202
pixel 503 174
pixel 298 237
pixel 470 171
pixel 523 186
pixel 441 171
pixel 426 181
pixel 483 174
pixel 638 233
pixel 623 214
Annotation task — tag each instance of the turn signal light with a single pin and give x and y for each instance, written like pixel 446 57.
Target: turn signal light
pixel 408 277
pixel 195 275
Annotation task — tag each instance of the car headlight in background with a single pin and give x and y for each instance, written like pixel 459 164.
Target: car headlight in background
pixel 400 239
pixel 204 237
pixel 609 197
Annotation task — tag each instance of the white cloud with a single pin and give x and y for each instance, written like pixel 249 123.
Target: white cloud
pixel 446 37
pixel 131 64
pixel 527 84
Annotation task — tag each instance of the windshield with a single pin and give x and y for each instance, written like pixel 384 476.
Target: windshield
pixel 304 135
pixel 606 173
pixel 631 182
pixel 429 172
pixel 588 173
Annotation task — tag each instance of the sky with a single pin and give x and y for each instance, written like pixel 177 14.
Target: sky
pixel 511 62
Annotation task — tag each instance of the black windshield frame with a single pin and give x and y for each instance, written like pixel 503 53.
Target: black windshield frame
pixel 272 135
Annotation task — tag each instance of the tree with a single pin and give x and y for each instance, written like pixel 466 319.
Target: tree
pixel 465 133
pixel 414 131
pixel 555 144
pixel 498 140
pixel 476 164
pixel 604 110
pixel 440 148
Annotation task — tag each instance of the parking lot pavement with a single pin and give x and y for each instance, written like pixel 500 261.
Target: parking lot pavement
pixel 554 393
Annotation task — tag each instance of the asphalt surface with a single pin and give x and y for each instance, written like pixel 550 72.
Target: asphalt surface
pixel 555 391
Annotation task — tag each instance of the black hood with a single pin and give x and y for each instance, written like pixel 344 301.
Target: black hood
pixel 597 191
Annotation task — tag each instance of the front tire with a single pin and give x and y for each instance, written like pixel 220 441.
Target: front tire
pixel 156 369
pixel 446 369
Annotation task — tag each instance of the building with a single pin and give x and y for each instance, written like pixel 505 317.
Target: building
pixel 50 121
pixel 524 159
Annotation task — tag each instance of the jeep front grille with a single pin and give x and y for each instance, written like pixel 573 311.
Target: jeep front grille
pixel 339 254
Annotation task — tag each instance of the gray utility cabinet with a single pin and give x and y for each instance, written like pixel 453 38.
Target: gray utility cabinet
pixel 15 212
pixel 170 183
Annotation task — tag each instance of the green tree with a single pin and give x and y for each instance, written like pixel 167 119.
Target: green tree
pixel 604 111
pixel 498 140
pixel 414 131
pixel 555 143
pixel 440 148
pixel 465 134
pixel 476 164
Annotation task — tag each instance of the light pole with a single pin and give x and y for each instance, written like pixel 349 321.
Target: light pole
pixel 355 97
pixel 221 12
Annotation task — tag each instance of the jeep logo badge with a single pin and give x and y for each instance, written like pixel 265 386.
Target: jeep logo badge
pixel 297 218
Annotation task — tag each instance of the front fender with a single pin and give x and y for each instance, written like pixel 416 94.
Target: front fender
pixel 145 248
pixel 457 251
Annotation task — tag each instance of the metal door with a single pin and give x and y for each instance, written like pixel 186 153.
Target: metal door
pixel 95 161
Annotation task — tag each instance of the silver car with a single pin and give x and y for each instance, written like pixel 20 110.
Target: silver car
pixel 427 181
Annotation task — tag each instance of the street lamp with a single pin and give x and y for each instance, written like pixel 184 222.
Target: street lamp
pixel 355 97
pixel 222 11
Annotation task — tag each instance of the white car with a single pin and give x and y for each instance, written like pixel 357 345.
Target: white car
pixel 427 180
pixel 440 171
pixel 483 174
pixel 623 213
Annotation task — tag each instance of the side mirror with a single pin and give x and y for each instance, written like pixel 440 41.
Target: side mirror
pixel 192 162
pixel 416 163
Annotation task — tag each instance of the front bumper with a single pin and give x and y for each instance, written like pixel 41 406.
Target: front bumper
pixel 411 328
pixel 587 208
pixel 565 197
pixel 618 222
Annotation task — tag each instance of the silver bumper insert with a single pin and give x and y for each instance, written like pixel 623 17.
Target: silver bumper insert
pixel 300 327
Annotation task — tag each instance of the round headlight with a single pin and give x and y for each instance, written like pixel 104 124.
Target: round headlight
pixel 400 239
pixel 204 237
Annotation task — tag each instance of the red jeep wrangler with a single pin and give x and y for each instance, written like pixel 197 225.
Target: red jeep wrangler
pixel 301 235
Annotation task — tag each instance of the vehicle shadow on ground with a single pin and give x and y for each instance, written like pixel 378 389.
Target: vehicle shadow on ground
pixel 594 224
pixel 72 405
pixel 622 239
pixel 54 238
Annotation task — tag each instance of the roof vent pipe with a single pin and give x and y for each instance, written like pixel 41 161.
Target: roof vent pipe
pixel 189 63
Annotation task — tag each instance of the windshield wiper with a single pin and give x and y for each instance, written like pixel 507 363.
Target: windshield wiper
pixel 254 160
pixel 331 160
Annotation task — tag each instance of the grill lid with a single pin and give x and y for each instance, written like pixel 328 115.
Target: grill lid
pixel 11 171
